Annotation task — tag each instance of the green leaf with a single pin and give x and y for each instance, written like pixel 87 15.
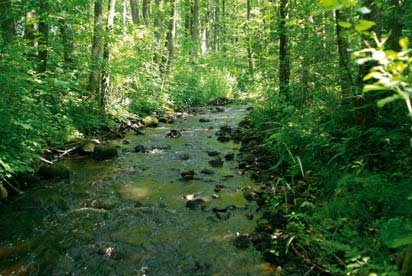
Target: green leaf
pixel 372 87
pixel 5 166
pixel 364 25
pixel 404 42
pixel 330 4
pixel 344 24
pixel 364 10
pixel 401 242
pixel 387 100
pixel 371 75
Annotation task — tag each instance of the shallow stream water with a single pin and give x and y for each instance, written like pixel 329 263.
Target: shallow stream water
pixel 128 216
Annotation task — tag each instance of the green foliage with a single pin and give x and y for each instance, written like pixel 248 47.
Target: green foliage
pixel 197 84
pixel 392 71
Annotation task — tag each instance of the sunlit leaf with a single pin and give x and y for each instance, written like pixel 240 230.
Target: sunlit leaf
pixel 330 4
pixel 364 10
pixel 404 42
pixel 364 25
pixel 373 87
pixel 345 24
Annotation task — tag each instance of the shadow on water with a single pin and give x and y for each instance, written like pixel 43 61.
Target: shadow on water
pixel 129 216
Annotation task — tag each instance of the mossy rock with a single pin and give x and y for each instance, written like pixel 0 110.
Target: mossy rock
pixel 150 121
pixel 105 152
pixel 87 148
pixel 54 171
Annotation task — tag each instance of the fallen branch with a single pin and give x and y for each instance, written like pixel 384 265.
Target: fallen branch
pixel 45 160
pixel 308 262
pixel 12 187
pixel 65 152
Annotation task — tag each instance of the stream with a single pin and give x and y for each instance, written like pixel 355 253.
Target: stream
pixel 129 216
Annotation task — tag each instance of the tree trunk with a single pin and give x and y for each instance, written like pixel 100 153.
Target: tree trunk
pixel 106 54
pixel 284 58
pixel 195 26
pixel 134 10
pixel 67 42
pixel 346 82
pixel 157 31
pixel 43 37
pixel 216 26
pixel 395 24
pixel 170 38
pixel 223 26
pixel 145 11
pixel 124 16
pixel 94 82
pixel 249 42
pixel 7 22
pixel 204 47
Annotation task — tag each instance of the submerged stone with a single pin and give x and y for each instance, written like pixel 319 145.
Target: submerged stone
pixel 105 152
pixel 216 163
pixel 195 204
pixel 54 171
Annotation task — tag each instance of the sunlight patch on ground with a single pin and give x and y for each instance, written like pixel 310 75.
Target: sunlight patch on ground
pixel 135 193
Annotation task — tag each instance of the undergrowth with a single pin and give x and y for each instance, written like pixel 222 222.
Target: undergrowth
pixel 347 185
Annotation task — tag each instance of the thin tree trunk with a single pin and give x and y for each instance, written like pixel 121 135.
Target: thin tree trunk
pixel 43 38
pixel 157 32
pixel 205 31
pixel 67 42
pixel 346 82
pixel 223 26
pixel 125 10
pixel 216 26
pixel 195 26
pixel 94 82
pixel 395 24
pixel 145 11
pixel 249 46
pixel 134 9
pixel 7 22
pixel 106 53
pixel 284 58
pixel 170 38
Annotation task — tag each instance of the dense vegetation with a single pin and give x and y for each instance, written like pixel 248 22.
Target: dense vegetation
pixel 331 81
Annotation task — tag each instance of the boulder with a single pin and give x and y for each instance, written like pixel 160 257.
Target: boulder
pixel 150 121
pixel 105 152
pixel 54 171
pixel 87 148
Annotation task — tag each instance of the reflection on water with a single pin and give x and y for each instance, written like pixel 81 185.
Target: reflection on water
pixel 129 217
